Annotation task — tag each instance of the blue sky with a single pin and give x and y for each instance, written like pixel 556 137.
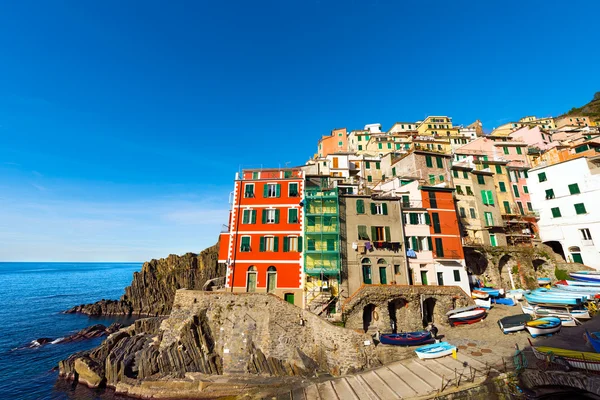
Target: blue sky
pixel 122 124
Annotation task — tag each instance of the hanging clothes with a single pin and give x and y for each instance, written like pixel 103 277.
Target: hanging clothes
pixel 354 246
pixel 368 246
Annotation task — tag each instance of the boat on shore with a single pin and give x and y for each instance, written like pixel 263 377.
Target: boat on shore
pixel 555 311
pixel 516 294
pixel 543 326
pixel 586 276
pixel 579 283
pixel 544 281
pixel 480 294
pixel 491 291
pixel 593 339
pixel 467 317
pixel 514 323
pixel 460 310
pixel 575 359
pixel 507 301
pixel 435 350
pixel 587 290
pixel 536 298
pixel 407 338
pixel 487 304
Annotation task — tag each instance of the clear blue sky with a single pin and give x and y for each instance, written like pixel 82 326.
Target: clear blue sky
pixel 122 123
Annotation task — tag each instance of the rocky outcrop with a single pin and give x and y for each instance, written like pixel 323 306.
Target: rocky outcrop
pixel 152 289
pixel 90 332
pixel 246 334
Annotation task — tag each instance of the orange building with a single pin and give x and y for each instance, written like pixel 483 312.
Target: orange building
pixel 263 243
pixel 334 143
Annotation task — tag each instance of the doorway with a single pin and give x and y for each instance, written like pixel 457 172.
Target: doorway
pixel 440 276
pixel 424 278
pixel 251 279
pixel 289 297
pixel 383 275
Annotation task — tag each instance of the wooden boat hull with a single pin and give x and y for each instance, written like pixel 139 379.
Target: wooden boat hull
pixel 436 350
pixel 407 338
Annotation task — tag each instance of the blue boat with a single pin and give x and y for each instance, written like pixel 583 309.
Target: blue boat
pixel 435 350
pixel 407 338
pixel 587 290
pixel 560 293
pixel 505 301
pixel 586 276
pixel 593 339
pixel 543 326
pixel 491 291
pixel 534 298
pixel 543 281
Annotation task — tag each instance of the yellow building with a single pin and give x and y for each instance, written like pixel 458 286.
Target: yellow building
pixel 437 126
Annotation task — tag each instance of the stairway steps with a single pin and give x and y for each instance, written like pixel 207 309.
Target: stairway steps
pixel 421 369
pixel 375 383
pixel 298 394
pixel 312 392
pixel 326 391
pixel 343 389
pixel 362 391
pixel 415 381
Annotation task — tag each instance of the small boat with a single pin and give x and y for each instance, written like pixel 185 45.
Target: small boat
pixel 407 338
pixel 543 326
pixel 555 312
pixel 505 301
pixel 459 310
pixel 543 281
pixel 588 290
pixel 479 294
pixel 491 291
pixel 586 276
pixel 514 323
pixel 435 350
pixel 487 304
pixel 552 300
pixel 467 317
pixel 593 339
pixel 516 294
pixel 575 359
pixel 579 283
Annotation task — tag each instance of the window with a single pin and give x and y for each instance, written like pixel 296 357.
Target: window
pixel 245 246
pixel 330 244
pixel 394 171
pixel 519 151
pixel 428 161
pixel 435 218
pixel 389 145
pixel 362 232
pixel 291 243
pixel 441 178
pixel 251 279
pixel 555 212
pixel 405 201
pixel 469 191
pixel 255 175
pixel 489 218
pixel 516 191
pixel 574 188
pixel 481 179
pixel 368 164
pixel 396 269
pixel 339 143
pixel 493 241
pixel 310 244
pixel 379 209
pixel 456 275
pixel 249 217
pixel 432 179
pixel 525 189
pixel 360 138
pixel 366 269
pixel 249 190
pixel 380 233
pixel 455 173
pixel 529 207
pixel 287 174
pixel 432 200
pixel 585 234
pixel 462 212
pixel 549 194
pixel 269 243
pixel 377 165
pixel 502 186
pixel 293 216
pixel 465 175
pixel 506 205
pixel 293 189
pixel 272 190
pixel 380 145
pixel 439 162
pixel 580 208
pixel 360 147
pixel 487 197
pixel 369 178
pixel 472 212
pixel 270 216
pixel 505 150
pixel 360 206
pixel 459 189
pixel 498 169
pixel 439 247
pixel 542 177
pixel 427 219
pixel 520 205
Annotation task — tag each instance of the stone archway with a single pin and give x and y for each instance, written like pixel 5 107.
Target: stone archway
pixel 397 313
pixel 370 317
pixel 476 262
pixel 507 268
pixel 428 310
pixel 557 248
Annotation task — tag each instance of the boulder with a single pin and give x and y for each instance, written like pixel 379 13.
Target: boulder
pixel 89 372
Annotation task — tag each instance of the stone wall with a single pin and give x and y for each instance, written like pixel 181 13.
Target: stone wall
pixel 373 307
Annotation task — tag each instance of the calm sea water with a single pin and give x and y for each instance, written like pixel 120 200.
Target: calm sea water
pixel 32 296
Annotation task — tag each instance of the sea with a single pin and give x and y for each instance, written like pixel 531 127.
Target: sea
pixel 32 298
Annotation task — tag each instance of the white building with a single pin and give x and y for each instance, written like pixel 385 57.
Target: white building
pixel 567 197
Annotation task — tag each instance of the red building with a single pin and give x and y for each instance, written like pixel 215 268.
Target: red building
pixel 263 245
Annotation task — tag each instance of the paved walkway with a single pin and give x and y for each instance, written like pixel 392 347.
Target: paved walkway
pixel 399 380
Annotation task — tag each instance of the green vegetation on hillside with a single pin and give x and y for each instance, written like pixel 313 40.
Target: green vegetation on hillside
pixel 591 109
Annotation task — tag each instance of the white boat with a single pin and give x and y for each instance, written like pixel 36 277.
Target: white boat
pixel 581 283
pixel 479 294
pixel 435 350
pixel 467 315
pixel 543 326
pixel 555 312
pixel 516 294
pixel 487 304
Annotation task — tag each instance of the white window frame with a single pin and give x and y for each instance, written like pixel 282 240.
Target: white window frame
pixel 272 186
pixel 253 190
pixel 292 240
pixel 290 186
pixel 379 208
pixel 269 243
pixel 249 244
pixel 297 215
pixel 585 234
pixel 271 212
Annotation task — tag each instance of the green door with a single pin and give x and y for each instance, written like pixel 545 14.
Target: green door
pixel 251 282
pixel 493 241
pixel 577 258
pixel 424 277
pixel 383 275
pixel 289 297
pixel 271 278
pixel 367 274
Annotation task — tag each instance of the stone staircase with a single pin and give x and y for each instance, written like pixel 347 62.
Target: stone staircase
pixel 399 380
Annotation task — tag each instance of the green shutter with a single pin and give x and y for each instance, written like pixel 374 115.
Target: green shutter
pixel 246 217
pixel 505 150
pixel 293 189
pixel 377 165
pixel 310 221
pixel 275 243
pixel 264 216
pixel 519 151
pixel 502 186
pixel 373 233
pixel 498 169
pixel 253 217
pixel 286 244
pixel 415 243
pixel 384 206
pixel 362 232
pixel 439 247
pixel 412 217
pixel 277 216
pixel 490 195
pixel 405 201
pixel 265 190
pixel 439 161
pixel 428 161
pixel 555 212
pixel 388 234
pixel 300 239
pixel 580 208
pixel 484 196
pixel 427 219
pixel 394 171
pixel 436 223
pixel 516 191
pixel 429 243
pixel 480 179
pixel 542 177
pixel 278 190
pixel 506 207
pixel 262 244
pixel 574 188
pixel 455 173
pixel 360 206
pixel 373 209
pixel 245 243
pixel 292 216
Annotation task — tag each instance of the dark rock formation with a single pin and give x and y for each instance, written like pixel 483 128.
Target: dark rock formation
pixel 90 332
pixel 152 290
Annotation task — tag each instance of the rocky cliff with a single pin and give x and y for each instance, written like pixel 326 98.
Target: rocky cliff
pixel 219 334
pixel 153 288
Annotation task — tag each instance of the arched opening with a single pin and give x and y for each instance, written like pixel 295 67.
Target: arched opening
pixel 476 262
pixel 428 309
pixel 366 271
pixel 396 308
pixel 557 248
pixel 251 279
pixel 271 279
pixel 369 314
pixel 382 267
pixel 506 264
